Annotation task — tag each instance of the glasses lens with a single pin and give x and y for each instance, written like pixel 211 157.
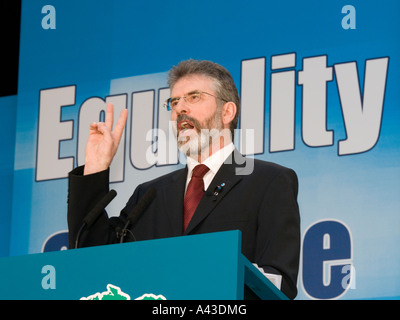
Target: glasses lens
pixel 193 97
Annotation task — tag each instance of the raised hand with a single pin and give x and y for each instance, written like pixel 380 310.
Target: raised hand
pixel 103 141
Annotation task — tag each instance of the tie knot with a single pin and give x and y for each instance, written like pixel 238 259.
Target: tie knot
pixel 200 170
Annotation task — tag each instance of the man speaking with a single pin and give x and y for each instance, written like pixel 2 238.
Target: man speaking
pixel 216 191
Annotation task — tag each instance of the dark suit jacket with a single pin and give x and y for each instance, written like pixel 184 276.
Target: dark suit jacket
pixel 259 198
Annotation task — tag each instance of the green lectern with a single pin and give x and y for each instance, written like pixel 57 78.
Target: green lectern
pixel 197 267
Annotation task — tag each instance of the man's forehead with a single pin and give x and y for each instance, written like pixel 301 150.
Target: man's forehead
pixel 191 83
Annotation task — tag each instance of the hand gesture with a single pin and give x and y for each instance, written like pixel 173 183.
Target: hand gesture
pixel 103 141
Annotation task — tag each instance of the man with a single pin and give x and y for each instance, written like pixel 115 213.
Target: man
pixel 261 202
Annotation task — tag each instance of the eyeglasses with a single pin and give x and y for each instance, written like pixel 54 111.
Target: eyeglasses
pixel 191 98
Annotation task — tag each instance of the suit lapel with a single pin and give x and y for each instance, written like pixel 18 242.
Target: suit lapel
pixel 226 176
pixel 173 201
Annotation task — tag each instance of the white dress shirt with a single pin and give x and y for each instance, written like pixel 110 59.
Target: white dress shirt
pixel 213 162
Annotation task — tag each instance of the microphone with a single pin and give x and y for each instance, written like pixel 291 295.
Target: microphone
pixel 95 213
pixel 134 215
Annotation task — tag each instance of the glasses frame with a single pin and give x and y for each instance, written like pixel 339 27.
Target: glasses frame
pixel 167 103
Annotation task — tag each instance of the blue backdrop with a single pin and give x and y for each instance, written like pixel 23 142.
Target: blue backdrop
pixel 319 87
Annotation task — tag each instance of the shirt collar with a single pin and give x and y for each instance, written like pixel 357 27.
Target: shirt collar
pixel 213 162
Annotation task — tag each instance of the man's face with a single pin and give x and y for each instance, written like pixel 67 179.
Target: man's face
pixel 198 125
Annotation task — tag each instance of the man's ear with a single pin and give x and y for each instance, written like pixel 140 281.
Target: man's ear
pixel 228 112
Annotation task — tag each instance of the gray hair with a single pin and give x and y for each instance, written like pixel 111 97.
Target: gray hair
pixel 225 88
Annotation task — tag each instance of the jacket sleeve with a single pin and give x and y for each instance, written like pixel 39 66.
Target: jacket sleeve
pixel 278 235
pixel 84 192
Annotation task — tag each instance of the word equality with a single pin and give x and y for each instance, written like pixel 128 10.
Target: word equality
pixel 265 115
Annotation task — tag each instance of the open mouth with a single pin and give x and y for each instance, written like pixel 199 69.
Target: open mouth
pixel 185 125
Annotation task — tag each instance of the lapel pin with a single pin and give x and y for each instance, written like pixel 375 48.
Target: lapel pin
pixel 218 189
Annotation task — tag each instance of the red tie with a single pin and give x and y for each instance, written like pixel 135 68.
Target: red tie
pixel 194 192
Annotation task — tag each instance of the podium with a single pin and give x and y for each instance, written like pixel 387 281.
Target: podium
pixel 196 267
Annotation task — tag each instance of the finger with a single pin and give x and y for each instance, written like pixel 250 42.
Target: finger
pixel 109 120
pixel 100 128
pixel 93 127
pixel 119 127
